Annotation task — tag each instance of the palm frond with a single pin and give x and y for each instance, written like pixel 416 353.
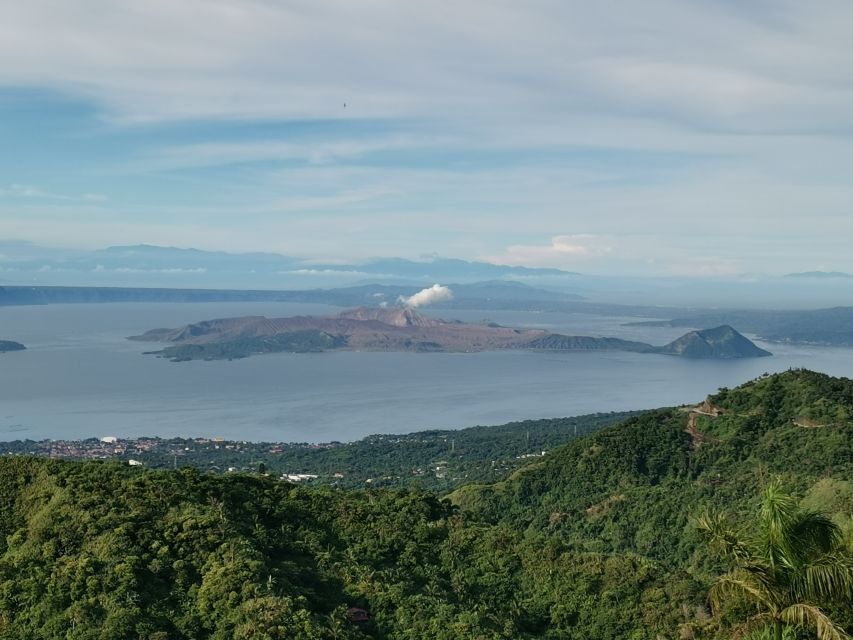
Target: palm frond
pixel 826 578
pixel 806 615
pixel 750 625
pixel 809 535
pixel 741 584
pixel 723 539
pixel 779 510
pixel 762 576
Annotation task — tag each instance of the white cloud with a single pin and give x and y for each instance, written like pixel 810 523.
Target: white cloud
pixel 425 297
pixel 484 60
pixel 317 152
pixel 562 251
pixel 751 99
pixel 29 191
pixel 197 270
pixel 330 272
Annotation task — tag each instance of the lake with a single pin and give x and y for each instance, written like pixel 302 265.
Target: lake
pixel 81 378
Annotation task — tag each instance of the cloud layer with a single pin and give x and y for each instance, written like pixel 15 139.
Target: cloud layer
pixel 759 66
pixel 657 137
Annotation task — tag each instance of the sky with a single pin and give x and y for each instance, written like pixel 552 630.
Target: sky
pixel 660 138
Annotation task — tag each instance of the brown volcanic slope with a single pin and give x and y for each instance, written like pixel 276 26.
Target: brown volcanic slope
pixel 406 330
pixel 364 328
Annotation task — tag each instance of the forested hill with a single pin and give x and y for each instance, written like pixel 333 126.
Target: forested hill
pixel 594 540
pixel 634 487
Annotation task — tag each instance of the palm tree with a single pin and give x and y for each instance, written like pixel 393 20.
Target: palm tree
pixel 789 564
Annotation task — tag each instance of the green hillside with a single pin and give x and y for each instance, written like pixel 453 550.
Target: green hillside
pixel 633 487
pixel 598 539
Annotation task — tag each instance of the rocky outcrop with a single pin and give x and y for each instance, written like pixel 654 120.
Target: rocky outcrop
pixel 10 345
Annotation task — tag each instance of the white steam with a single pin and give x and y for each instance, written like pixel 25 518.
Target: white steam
pixel 430 295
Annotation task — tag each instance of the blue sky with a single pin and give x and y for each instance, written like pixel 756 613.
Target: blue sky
pixel 659 138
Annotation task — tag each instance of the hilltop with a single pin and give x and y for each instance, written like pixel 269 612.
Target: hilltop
pixel 653 471
pixel 721 342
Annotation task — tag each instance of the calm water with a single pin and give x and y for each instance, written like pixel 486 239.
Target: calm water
pixel 81 378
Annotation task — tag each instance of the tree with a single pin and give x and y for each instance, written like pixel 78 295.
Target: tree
pixel 787 569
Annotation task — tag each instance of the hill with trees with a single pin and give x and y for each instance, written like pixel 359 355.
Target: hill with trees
pixel 601 538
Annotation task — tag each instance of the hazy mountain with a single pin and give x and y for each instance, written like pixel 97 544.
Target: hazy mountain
pixel 820 274
pixel 495 294
pixel 171 266
pixel 827 327
pixel 721 342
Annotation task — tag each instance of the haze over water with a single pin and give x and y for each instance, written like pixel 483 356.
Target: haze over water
pixel 81 378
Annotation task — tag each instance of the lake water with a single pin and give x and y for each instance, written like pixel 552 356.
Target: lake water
pixel 81 378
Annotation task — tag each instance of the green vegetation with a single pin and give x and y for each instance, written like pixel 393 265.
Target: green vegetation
pixel 438 460
pixel 309 341
pixel 559 342
pixel 786 569
pixel 598 539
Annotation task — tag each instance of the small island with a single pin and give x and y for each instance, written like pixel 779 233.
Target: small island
pixel 404 329
pixel 10 345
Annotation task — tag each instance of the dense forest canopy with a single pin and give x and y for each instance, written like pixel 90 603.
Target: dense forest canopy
pixel 598 539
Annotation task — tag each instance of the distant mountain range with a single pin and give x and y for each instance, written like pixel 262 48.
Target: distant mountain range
pixel 494 294
pixel 403 329
pixel 137 261
pixel 820 274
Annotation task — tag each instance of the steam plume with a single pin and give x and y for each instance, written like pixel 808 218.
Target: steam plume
pixel 430 295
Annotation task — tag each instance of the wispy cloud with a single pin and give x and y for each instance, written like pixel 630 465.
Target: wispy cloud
pixel 29 191
pixel 567 251
pixel 312 152
pixel 483 60
pixel 341 130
